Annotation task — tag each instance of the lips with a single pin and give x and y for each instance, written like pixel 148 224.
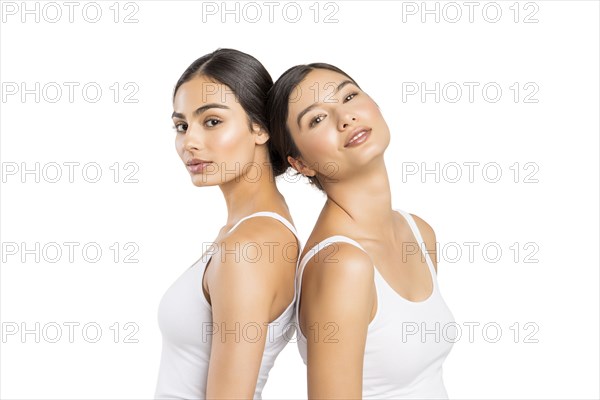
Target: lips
pixel 196 165
pixel 195 161
pixel 357 134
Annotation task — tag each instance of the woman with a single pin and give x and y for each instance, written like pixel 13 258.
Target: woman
pixel 371 321
pixel 227 317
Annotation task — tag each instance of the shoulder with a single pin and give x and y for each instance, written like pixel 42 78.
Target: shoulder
pixel 339 276
pixel 262 240
pixel 249 255
pixel 332 259
pixel 428 235
pixel 260 226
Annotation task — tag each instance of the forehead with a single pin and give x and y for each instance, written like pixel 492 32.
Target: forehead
pixel 202 90
pixel 318 86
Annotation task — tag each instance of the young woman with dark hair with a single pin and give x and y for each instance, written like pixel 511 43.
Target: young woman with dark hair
pixel 229 315
pixel 371 320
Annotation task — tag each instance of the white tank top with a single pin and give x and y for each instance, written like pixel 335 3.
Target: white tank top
pixel 396 367
pixel 185 320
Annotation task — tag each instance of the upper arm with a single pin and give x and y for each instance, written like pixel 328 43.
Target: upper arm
pixel 337 299
pixel 428 237
pixel 241 295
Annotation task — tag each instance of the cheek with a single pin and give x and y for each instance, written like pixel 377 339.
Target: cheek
pixel 369 111
pixel 233 141
pixel 179 144
pixel 368 108
pixel 326 142
pixel 319 147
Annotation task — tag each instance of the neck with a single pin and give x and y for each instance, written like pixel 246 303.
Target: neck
pixel 366 198
pixel 252 191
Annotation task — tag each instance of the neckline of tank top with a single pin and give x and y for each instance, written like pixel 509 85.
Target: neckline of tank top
pixel 417 236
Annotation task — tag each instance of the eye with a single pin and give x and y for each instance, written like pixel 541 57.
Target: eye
pixel 350 97
pixel 212 122
pixel 180 127
pixel 316 120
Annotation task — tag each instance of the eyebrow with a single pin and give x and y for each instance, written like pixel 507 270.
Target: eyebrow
pixel 200 110
pixel 307 109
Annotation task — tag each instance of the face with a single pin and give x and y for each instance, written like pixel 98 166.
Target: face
pixel 336 126
pixel 213 137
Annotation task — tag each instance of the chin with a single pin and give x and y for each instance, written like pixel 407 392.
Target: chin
pixel 202 181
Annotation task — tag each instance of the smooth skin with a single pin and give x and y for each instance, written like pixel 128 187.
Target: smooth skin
pixel 248 291
pixel 338 290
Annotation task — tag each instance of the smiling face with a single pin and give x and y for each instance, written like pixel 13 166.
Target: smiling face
pixel 214 139
pixel 336 126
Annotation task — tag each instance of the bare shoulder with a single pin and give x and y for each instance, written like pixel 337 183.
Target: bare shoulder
pixel 255 250
pixel 339 276
pixel 428 235
pixel 264 241
pixel 262 225
pixel 337 258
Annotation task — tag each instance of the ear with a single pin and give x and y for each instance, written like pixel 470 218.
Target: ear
pixel 301 167
pixel 261 136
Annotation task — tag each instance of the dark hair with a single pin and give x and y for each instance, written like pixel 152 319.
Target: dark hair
pixel 249 81
pixel 277 110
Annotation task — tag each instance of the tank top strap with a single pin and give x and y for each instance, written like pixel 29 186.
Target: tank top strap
pixel 268 214
pixel 415 230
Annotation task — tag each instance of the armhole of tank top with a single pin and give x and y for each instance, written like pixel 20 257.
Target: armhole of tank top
pixel 302 264
pixel 417 234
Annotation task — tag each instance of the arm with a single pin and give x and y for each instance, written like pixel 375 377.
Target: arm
pixel 428 237
pixel 337 300
pixel 242 293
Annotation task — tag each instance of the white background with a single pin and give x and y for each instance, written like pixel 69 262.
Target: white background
pixel 169 219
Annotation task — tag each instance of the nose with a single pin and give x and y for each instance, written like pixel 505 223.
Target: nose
pixel 191 139
pixel 346 120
